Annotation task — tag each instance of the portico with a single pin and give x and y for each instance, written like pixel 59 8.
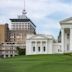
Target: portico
pixel 66 35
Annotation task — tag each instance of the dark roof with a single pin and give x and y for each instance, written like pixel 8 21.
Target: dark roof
pixel 22 20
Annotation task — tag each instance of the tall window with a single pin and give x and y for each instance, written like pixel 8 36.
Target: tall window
pixel 68 36
pixel 44 48
pixel 39 49
pixel 33 49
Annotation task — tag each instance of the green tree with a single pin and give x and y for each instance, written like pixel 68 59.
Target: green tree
pixel 21 51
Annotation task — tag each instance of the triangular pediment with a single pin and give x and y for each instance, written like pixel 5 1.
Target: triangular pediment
pixel 67 20
pixel 38 37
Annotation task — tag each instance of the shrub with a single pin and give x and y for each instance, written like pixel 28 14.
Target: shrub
pixel 21 51
pixel 70 53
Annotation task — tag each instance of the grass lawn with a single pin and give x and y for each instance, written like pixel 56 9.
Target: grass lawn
pixel 40 63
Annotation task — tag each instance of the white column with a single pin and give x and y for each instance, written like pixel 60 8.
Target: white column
pixel 70 39
pixel 4 56
pixel 41 47
pixel 4 53
pixel 65 41
pixel 36 49
pixel 13 54
pixel 46 47
pixel 62 40
pixel 8 55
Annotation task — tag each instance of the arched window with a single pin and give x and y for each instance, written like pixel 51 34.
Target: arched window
pixel 68 35
pixel 44 48
pixel 39 49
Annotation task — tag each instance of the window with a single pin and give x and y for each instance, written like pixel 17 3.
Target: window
pixel 44 49
pixel 39 49
pixel 68 36
pixel 33 49
pixel 43 42
pixel 38 43
pixel 33 43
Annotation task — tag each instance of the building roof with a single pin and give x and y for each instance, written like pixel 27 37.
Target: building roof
pixel 39 36
pixel 67 20
pixel 22 20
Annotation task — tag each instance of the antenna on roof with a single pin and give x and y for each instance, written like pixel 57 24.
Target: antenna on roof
pixel 24 11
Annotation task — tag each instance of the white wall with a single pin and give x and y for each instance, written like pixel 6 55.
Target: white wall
pixel 48 45
pixel 57 48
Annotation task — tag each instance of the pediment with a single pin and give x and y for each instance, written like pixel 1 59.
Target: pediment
pixel 67 20
pixel 38 37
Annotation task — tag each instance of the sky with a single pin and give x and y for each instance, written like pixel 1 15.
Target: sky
pixel 45 14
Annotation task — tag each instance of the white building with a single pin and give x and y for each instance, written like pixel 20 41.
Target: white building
pixel 45 44
pixel 66 35
pixel 41 44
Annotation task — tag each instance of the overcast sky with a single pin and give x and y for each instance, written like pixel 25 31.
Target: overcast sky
pixel 45 14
